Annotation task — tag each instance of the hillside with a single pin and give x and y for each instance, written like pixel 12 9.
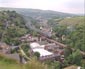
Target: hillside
pixel 73 29
pixel 72 21
pixel 46 14
pixel 7 63
pixel 68 21
pixel 12 26
pixel 38 17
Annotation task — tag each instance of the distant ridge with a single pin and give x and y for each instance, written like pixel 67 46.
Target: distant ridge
pixel 46 14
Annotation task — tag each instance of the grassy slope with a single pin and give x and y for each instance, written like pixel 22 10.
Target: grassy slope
pixel 72 21
pixel 7 63
pixel 4 65
pixel 30 65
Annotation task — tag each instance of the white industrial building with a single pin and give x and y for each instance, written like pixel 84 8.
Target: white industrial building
pixel 39 48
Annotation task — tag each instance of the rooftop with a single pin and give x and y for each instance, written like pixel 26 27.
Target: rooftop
pixel 34 45
pixel 42 52
pixel 39 48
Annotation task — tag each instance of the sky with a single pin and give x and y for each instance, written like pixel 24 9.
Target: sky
pixel 67 6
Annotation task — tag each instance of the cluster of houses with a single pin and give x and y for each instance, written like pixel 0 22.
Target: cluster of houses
pixel 4 48
pixel 48 50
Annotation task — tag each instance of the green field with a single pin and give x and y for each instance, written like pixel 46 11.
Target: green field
pixel 72 21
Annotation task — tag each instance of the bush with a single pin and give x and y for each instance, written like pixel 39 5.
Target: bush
pixel 34 64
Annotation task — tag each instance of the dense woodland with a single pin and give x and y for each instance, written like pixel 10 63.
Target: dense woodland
pixel 73 32
pixel 74 37
pixel 12 26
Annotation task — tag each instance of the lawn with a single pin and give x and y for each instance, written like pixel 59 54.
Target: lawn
pixel 4 65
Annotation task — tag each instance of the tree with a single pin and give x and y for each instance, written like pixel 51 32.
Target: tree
pixel 37 54
pixel 77 57
pixel 65 63
pixel 60 30
pixel 83 66
pixel 70 59
pixel 25 47
pixel 67 51
pixel 56 65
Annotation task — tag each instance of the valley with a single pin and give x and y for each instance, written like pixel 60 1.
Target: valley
pixel 45 39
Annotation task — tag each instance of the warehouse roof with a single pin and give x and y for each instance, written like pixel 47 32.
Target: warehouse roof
pixel 42 52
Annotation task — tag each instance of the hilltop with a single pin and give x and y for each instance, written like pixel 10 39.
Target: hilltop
pixel 46 14
pixel 38 17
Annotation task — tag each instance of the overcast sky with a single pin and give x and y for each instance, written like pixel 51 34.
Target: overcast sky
pixel 69 6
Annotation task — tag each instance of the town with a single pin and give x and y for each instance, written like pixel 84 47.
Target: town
pixel 48 50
